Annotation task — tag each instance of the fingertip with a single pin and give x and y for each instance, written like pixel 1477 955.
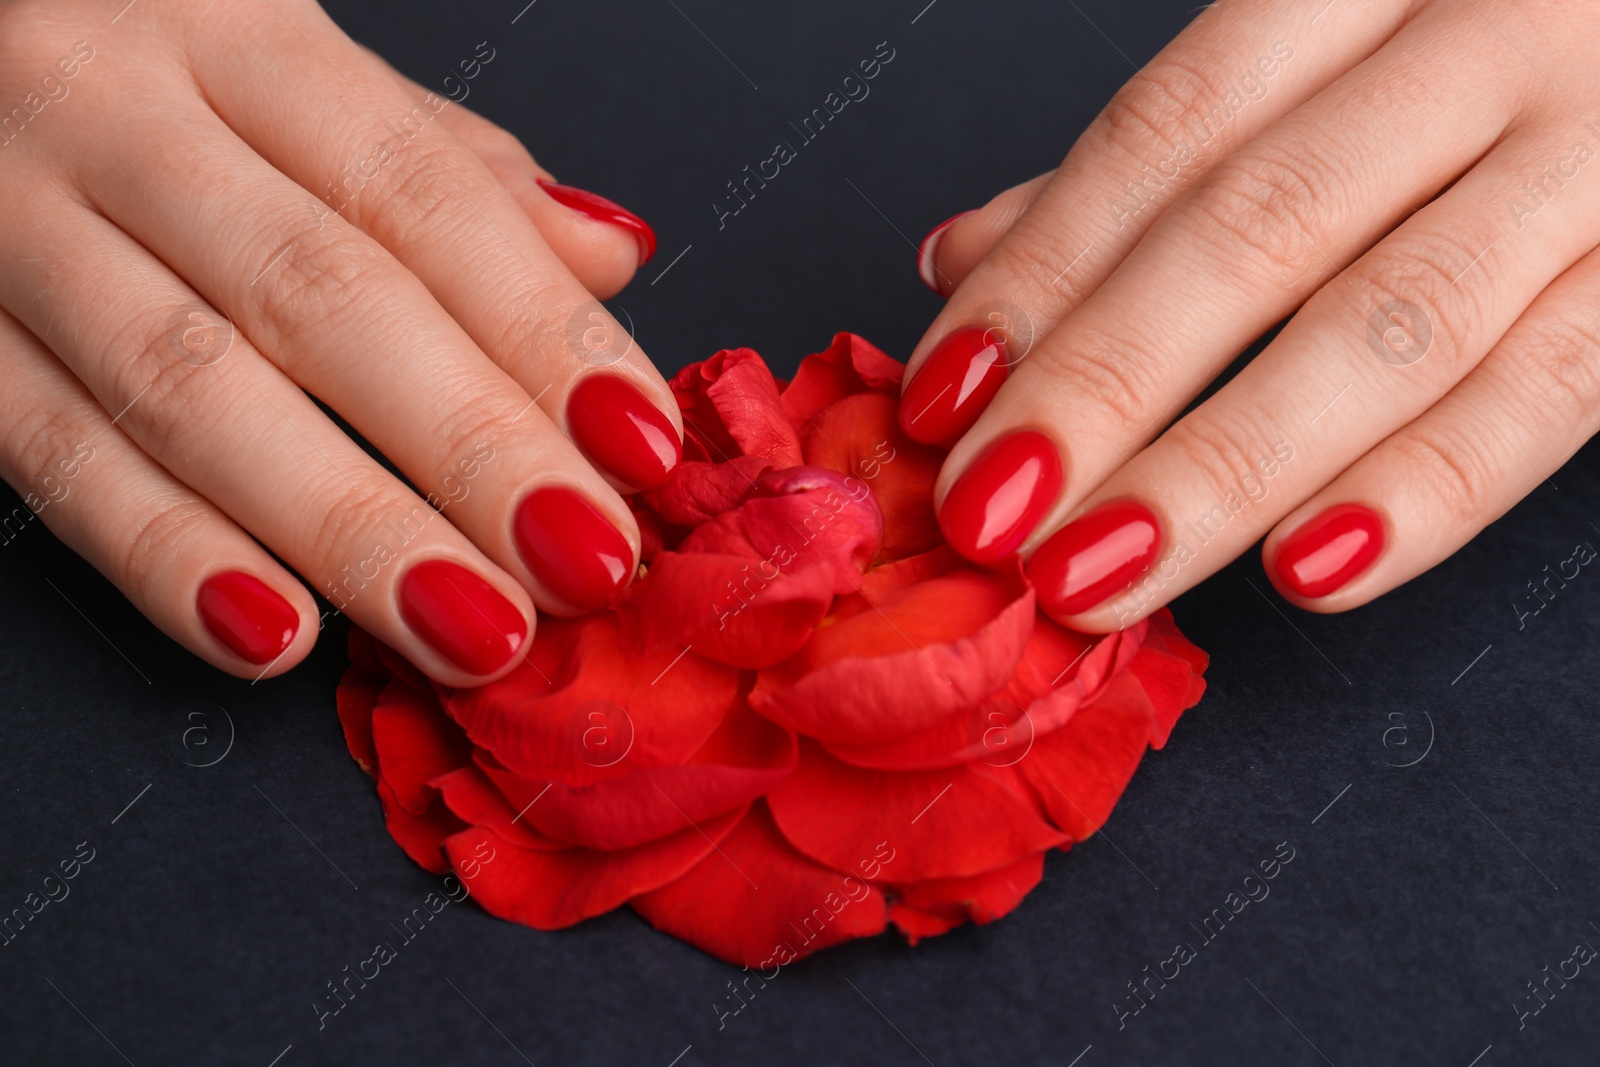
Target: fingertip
pixel 257 628
pixel 602 242
pixel 928 255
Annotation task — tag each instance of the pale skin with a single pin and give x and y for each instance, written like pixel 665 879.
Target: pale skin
pixel 169 176
pixel 1433 164
pixel 183 175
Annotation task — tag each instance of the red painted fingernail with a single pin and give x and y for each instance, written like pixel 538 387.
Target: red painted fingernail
pixel 464 618
pixel 247 615
pixel 1329 551
pixel 996 503
pixel 926 269
pixel 622 431
pixel 1091 559
pixel 571 547
pixel 598 207
pixel 954 385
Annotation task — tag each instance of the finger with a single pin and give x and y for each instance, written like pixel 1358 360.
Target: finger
pixel 195 395
pixel 314 292
pixel 1430 487
pixel 436 209
pixel 947 255
pixel 1118 369
pixel 1367 355
pixel 186 566
pixel 1230 75
pixel 603 244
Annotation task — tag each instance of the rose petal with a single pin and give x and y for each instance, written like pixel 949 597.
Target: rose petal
pixel 416 743
pixel 551 890
pixel 1079 771
pixel 358 693
pixel 473 798
pixel 1170 668
pixel 943 823
pixel 582 694
pixel 695 493
pixel 420 835
pixel 924 909
pixel 927 638
pixel 685 602
pixel 1059 671
pixel 848 366
pixel 756 902
pixel 741 761
pixel 731 407
pixel 861 436
pixel 747 588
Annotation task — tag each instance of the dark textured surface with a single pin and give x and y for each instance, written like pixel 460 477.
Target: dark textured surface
pixel 1414 911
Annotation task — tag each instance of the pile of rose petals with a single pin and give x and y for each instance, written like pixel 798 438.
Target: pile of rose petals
pixel 807 719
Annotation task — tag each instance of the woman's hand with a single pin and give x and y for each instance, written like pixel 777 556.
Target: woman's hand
pixel 213 210
pixel 1421 180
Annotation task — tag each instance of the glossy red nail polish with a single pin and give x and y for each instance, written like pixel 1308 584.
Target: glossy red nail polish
pixel 571 547
pixel 598 207
pixel 954 385
pixel 247 615
pixel 1330 550
pixel 1093 558
pixel 464 618
pixel 622 431
pixel 1000 498
pixel 927 269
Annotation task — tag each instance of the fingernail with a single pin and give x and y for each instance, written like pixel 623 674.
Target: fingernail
pixel 996 503
pixel 926 270
pixel 622 431
pixel 954 385
pixel 1093 558
pixel 1329 551
pixel 571 547
pixel 247 615
pixel 464 618
pixel 598 207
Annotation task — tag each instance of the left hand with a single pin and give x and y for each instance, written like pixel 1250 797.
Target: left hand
pixel 1419 178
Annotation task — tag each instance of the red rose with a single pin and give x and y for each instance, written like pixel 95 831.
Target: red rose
pixel 806 720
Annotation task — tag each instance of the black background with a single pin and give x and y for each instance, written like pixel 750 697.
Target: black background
pixel 1414 912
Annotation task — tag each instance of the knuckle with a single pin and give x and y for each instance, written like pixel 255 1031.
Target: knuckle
pixel 1454 464
pixel 175 524
pixel 354 513
pixel 159 397
pixel 39 442
pixel 466 428
pixel 423 190
pixel 1554 362
pixel 1113 376
pixel 1031 254
pixel 1225 453
pixel 1267 207
pixel 319 274
pixel 1157 110
pixel 527 336
pixel 1451 278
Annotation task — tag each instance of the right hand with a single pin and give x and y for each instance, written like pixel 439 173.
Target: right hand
pixel 217 209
